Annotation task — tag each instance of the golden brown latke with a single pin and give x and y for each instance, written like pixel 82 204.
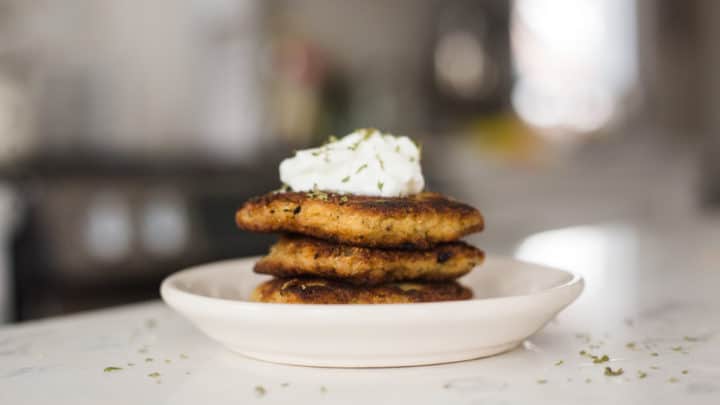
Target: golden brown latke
pixel 414 222
pixel 308 290
pixel 295 255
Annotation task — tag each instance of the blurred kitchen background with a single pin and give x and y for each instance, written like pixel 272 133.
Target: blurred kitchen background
pixel 131 130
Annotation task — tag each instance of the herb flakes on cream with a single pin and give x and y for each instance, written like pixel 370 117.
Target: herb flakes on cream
pixel 365 162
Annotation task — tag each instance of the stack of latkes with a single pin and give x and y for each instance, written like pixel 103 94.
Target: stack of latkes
pixel 350 249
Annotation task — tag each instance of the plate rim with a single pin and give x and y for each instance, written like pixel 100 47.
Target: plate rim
pixel 168 289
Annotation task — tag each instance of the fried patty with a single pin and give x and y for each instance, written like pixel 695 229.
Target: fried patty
pixel 308 290
pixel 295 255
pixel 414 222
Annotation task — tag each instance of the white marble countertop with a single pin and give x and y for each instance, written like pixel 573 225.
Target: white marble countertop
pixel 651 304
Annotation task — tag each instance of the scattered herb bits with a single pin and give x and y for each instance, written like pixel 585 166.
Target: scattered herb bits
pixel 260 391
pixel 154 375
pixel 613 373
pixel 112 369
pixel 641 374
pixel 542 381
pixel 559 363
pixel 599 360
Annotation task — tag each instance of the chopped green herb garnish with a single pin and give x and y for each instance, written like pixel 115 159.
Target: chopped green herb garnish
pixel 598 360
pixel 367 133
pixel 344 199
pixel 630 345
pixel 382 164
pixel 361 168
pixel 317 194
pixel 673 380
pixel 654 354
pixel 613 373
pixel 676 348
pixel 154 375
pixel 331 139
pixel 559 363
pixel 641 374
pixel 345 179
pixel 148 359
pixel 167 361
pixel 111 369
pixel 690 339
pixel 183 356
pixel 583 353
pixel 316 153
pixel 380 185
pixel 542 381
pixel 684 371
pixel 143 350
pixel 655 367
pixel 260 391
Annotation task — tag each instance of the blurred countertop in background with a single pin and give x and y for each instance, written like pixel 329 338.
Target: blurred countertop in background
pixel 131 131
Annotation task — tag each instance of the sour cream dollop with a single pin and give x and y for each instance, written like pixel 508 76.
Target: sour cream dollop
pixel 365 162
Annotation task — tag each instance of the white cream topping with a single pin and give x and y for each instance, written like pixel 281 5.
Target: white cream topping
pixel 365 162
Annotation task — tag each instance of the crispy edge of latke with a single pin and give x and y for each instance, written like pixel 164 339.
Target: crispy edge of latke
pixel 282 261
pixel 308 290
pixel 425 204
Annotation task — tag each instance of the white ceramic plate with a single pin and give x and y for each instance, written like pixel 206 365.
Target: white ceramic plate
pixel 512 301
